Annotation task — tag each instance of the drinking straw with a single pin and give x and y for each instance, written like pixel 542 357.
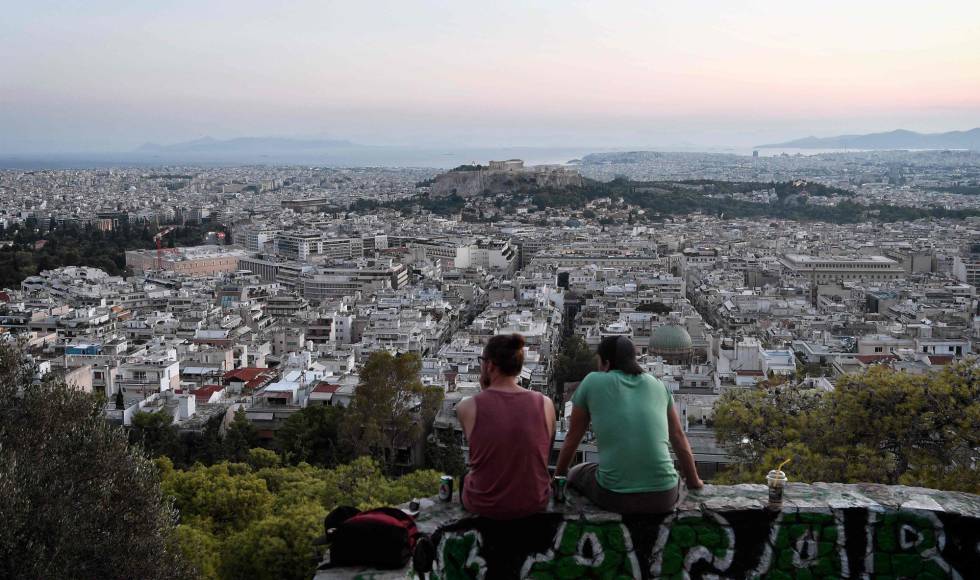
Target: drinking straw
pixel 780 468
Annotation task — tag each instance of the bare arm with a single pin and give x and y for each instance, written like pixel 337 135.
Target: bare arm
pixel 678 440
pixel 578 423
pixel 466 413
pixel 549 415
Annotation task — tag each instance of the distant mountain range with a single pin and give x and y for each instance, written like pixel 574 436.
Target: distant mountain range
pixel 899 139
pixel 250 145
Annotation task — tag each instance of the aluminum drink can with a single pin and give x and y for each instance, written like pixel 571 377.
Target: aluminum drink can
pixel 446 488
pixel 559 488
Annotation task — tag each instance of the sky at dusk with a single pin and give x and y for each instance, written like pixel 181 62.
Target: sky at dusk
pixel 101 75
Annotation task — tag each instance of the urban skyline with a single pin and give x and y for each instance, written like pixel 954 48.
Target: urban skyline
pixel 578 289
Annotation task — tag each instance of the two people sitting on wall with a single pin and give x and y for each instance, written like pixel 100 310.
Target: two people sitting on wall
pixel 510 431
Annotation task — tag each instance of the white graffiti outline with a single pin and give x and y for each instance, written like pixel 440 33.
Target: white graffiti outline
pixel 598 554
pixel 765 562
pixel 697 553
pixel 934 553
pixel 472 558
pixel 809 541
pixel 553 550
pixel 869 552
pixel 919 537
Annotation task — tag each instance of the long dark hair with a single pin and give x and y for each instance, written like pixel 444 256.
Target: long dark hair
pixel 620 353
pixel 506 351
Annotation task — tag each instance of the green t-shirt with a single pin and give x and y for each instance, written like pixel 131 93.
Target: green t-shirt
pixel 629 419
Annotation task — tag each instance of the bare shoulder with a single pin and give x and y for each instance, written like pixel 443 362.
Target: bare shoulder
pixel 466 413
pixel 549 405
pixel 466 405
pixel 547 401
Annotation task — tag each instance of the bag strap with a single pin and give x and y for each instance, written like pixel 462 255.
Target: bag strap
pixel 338 516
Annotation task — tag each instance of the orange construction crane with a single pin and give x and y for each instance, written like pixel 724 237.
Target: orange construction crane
pixel 158 238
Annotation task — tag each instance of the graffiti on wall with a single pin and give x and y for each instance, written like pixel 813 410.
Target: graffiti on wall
pixel 823 543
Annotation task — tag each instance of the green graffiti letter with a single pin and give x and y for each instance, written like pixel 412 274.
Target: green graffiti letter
pixel 810 541
pixel 585 549
pixel 691 537
pixel 909 544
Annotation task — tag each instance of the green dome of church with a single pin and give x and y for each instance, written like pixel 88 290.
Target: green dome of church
pixel 670 339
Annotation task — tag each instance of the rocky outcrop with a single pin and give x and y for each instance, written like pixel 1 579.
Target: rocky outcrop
pixel 483 181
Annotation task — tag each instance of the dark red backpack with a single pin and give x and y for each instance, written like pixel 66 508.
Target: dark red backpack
pixel 379 538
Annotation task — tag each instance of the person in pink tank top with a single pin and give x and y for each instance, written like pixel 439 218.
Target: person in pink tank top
pixel 510 431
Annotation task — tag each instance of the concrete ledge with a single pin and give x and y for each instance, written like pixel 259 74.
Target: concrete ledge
pixel 824 530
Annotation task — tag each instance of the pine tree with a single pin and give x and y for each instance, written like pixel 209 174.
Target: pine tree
pixel 391 408
pixel 882 426
pixel 78 501
pixel 240 437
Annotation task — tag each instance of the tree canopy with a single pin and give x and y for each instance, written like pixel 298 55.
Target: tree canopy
pixel 444 453
pixel 81 500
pixel 35 249
pixel 574 362
pixel 680 197
pixel 312 436
pixel 881 426
pixel 155 433
pixel 78 500
pixel 259 519
pixel 240 436
pixel 391 408
pixel 655 307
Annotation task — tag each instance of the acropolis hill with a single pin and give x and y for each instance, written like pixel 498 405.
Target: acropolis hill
pixel 502 177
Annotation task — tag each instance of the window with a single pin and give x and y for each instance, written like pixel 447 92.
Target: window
pixel 879 349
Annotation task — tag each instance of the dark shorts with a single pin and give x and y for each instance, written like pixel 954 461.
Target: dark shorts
pixel 582 478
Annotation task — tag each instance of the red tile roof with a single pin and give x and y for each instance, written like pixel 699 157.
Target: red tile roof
pixel 243 374
pixel 325 388
pixel 205 392
pixel 253 377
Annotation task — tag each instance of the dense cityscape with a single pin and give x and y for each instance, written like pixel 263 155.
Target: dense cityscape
pixel 248 302
pixel 487 291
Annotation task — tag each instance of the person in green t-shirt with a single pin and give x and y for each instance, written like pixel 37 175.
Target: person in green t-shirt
pixel 635 424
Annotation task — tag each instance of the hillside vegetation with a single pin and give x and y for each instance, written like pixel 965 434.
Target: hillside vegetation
pixel 662 199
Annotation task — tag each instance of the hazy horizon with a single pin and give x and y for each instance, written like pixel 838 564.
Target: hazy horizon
pixel 109 76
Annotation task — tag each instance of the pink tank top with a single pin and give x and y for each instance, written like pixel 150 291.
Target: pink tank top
pixel 509 449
